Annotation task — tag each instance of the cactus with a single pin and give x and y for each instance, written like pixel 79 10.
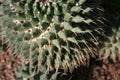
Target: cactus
pixel 56 34
pixel 111 42
pixel 3 17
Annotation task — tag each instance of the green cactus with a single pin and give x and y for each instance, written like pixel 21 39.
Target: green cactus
pixel 3 17
pixel 56 34
pixel 111 42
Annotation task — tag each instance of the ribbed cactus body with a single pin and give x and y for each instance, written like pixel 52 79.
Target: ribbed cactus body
pixel 57 34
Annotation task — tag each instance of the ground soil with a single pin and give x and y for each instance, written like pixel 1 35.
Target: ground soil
pixel 8 65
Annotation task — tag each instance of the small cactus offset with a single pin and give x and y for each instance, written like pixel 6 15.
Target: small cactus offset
pixel 56 34
pixel 111 46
